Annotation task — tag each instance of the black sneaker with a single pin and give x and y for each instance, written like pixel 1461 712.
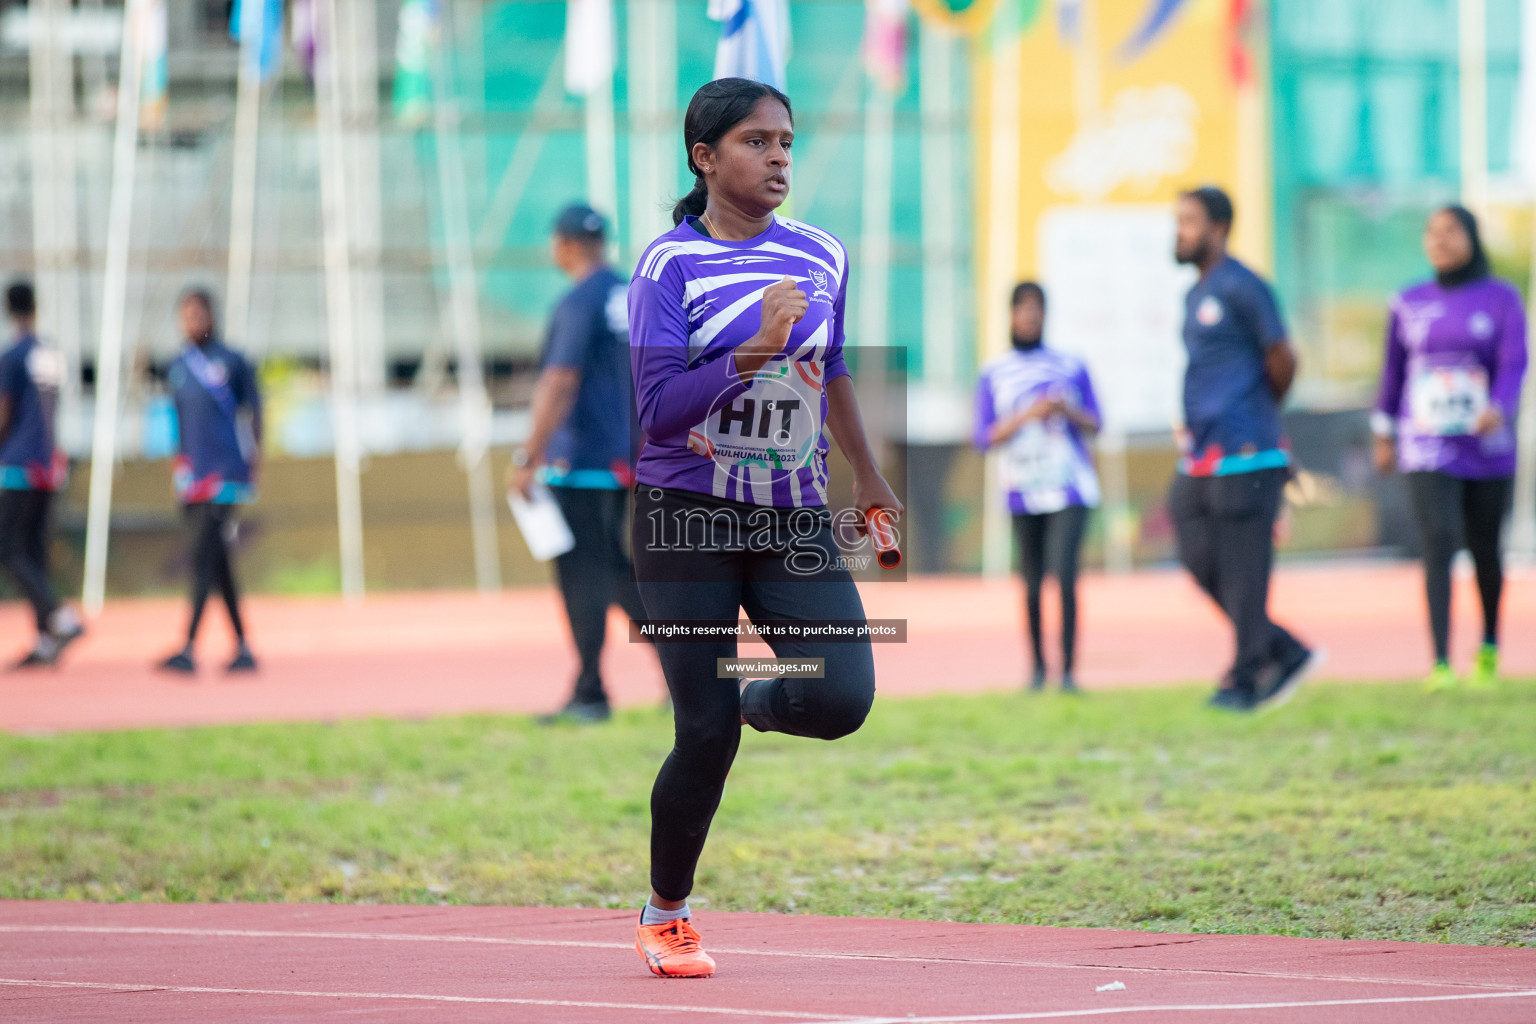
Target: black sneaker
pixel 34 659
pixel 585 712
pixel 1230 698
pixel 1069 685
pixel 244 661
pixel 1292 673
pixel 63 638
pixel 180 662
pixel 1037 679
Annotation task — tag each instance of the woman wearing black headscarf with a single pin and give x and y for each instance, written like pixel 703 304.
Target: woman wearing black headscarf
pixel 1450 390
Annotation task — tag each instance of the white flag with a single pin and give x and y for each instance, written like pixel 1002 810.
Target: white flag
pixel 754 39
pixel 588 45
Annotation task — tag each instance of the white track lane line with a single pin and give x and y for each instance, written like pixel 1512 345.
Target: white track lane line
pixel 1185 1008
pixel 245 933
pixel 103 986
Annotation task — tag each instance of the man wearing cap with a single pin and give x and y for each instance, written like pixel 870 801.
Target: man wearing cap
pixel 582 446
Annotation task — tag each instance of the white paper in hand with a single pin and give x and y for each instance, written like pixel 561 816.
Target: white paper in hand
pixel 542 525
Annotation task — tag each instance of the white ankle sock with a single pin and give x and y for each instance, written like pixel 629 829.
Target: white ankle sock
pixel 655 915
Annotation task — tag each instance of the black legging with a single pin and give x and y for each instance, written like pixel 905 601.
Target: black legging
pixel 208 528
pixel 1052 542
pixel 24 549
pixel 703 558
pixel 594 574
pixel 1453 513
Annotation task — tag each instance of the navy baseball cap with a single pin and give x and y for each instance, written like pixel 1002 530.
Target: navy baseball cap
pixel 580 222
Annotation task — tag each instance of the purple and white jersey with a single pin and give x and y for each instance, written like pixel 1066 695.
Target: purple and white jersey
pixel 1451 352
pixel 692 300
pixel 1046 465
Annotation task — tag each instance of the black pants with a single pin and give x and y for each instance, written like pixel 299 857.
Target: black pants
pixel 24 549
pixel 1452 513
pixel 703 558
pixel 593 575
pixel 1225 527
pixel 209 527
pixel 1052 542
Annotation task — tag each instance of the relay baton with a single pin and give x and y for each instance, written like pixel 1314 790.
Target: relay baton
pixel 883 536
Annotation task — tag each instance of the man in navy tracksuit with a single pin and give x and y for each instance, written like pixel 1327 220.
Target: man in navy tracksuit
pixel 32 470
pixel 218 416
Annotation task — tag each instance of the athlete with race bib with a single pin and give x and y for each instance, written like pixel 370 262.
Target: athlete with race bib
pixel 1450 389
pixel 736 335
pixel 1038 406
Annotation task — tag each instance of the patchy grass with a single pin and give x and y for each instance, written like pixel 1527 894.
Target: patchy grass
pixel 1356 812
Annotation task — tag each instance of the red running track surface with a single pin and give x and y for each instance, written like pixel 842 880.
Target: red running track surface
pixel 420 654
pixel 243 963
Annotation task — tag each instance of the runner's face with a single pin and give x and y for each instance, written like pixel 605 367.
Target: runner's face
pixel 749 168
pixel 1028 318
pixel 195 321
pixel 1446 243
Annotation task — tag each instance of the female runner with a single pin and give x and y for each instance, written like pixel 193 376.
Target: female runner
pixel 1450 388
pixel 736 334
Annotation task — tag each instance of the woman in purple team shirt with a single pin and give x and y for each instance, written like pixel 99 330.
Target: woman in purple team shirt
pixel 1450 389
pixel 1037 405
pixel 736 337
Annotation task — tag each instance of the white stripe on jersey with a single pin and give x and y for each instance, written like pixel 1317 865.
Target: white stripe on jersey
pixel 801 254
pixel 700 286
pixel 839 256
pixel 660 256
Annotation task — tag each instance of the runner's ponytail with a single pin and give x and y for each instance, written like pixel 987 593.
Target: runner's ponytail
pixel 692 204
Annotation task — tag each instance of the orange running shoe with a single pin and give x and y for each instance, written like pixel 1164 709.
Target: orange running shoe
pixel 672 950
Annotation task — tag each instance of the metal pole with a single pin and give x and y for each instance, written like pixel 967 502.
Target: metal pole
pixel 474 403
pixel 242 203
pixel 114 299
pixel 55 198
pixel 339 303
pixel 652 85
pixel 940 227
pixel 359 36
pixel 601 150
pixel 1472 35
pixel 1002 256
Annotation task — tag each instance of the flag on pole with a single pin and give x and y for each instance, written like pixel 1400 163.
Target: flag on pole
pixel 266 18
pixel 885 42
pixel 414 46
pixel 1158 17
pixel 754 39
pixel 301 35
pixel 1069 21
pixel 147 20
pixel 589 46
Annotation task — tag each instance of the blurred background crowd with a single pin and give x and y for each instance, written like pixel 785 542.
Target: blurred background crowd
pixel 368 186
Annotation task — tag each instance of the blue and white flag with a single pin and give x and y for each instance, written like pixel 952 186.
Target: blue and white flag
pixel 264 18
pixel 754 39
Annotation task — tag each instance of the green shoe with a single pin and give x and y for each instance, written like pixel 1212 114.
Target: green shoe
pixel 1485 668
pixel 1442 678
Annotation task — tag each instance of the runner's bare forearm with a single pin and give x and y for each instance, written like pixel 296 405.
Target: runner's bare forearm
pixel 847 426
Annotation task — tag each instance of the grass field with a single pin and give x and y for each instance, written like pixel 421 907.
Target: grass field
pixel 1357 812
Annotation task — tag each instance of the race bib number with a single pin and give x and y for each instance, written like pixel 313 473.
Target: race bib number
pixel 1446 401
pixel 776 424
pixel 1040 460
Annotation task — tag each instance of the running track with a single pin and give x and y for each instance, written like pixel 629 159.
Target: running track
pixel 451 653
pixel 411 655
pixel 167 963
